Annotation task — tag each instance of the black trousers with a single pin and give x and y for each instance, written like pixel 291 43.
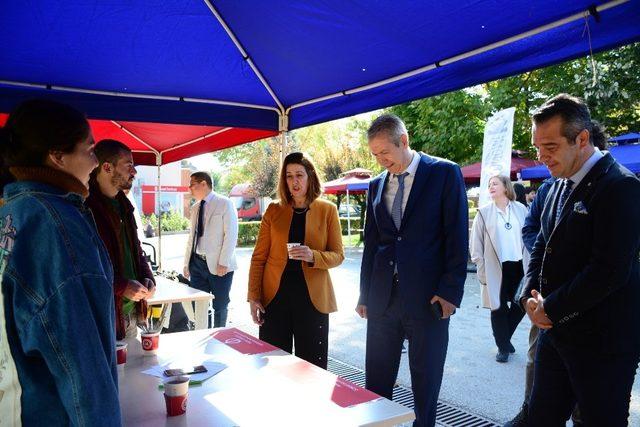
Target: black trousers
pixel 505 320
pixel 292 318
pixel 565 373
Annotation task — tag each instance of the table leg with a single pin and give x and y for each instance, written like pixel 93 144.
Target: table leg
pixel 201 314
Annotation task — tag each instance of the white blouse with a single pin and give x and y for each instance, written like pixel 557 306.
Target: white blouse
pixel 509 235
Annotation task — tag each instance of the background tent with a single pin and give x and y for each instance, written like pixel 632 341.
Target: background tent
pixel 283 64
pixel 627 155
pixel 354 181
pixel 471 173
pixel 627 138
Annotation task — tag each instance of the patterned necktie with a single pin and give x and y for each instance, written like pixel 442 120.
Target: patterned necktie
pixel 199 225
pixel 566 190
pixel 396 207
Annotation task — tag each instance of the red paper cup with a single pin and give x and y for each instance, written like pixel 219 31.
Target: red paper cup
pixel 121 353
pixel 176 392
pixel 150 343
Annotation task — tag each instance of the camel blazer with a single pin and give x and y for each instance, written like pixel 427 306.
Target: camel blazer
pixel 485 250
pixel 322 235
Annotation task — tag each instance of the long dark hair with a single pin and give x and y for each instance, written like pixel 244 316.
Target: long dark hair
pixel 34 129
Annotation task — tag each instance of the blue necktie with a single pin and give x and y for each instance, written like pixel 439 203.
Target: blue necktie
pixel 396 207
pixel 566 190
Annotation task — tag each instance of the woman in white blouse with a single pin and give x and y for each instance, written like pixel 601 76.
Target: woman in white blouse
pixel 499 253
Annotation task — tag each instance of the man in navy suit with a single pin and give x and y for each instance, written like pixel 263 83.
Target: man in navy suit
pixel 414 264
pixel 583 283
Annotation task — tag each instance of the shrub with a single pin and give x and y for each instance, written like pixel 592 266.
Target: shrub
pixel 171 221
pixel 356 225
pixel 248 233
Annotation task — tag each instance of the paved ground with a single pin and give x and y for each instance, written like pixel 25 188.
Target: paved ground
pixel 472 378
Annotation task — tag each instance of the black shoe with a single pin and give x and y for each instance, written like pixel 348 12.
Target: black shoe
pixel 512 349
pixel 519 420
pixel 502 357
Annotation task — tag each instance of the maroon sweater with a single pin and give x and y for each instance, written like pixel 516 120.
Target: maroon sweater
pixel 108 223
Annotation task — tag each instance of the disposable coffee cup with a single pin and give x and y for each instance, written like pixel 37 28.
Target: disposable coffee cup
pixel 150 343
pixel 176 392
pixel 291 245
pixel 121 354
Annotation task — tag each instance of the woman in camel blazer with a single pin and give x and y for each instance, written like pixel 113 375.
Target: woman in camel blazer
pixel 290 290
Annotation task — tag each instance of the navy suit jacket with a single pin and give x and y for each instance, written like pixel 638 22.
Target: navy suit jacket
pixel 430 248
pixel 586 266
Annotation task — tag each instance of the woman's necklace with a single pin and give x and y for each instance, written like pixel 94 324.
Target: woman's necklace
pixel 301 211
pixel 507 222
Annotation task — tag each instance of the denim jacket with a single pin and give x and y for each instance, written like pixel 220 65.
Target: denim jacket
pixel 57 311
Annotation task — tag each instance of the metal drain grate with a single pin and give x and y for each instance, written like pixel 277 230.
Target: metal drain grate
pixel 446 416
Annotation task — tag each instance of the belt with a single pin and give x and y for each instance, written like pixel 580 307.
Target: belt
pixel 202 257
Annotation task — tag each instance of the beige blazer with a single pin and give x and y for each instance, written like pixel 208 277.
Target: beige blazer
pixel 322 235
pixel 220 233
pixel 485 250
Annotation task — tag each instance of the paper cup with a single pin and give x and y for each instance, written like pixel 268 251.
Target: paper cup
pixel 176 392
pixel 150 343
pixel 291 245
pixel 121 353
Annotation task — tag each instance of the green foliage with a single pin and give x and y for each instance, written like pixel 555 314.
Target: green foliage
pixel 356 225
pixel 248 233
pixel 449 125
pixel 171 221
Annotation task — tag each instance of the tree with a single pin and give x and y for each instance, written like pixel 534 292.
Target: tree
pixel 449 125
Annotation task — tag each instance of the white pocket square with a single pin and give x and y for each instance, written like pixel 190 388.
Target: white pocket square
pixel 580 208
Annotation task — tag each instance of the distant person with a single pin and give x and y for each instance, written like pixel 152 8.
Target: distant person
pixel 520 192
pixel 583 283
pixel 57 344
pixel 133 282
pixel 498 251
pixel 210 257
pixel 530 195
pixel 290 291
pixel 414 264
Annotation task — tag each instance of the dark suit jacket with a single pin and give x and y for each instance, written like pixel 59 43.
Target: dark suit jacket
pixel 531 226
pixel 430 247
pixel 586 268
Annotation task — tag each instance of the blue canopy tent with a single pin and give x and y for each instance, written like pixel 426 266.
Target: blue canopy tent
pixel 627 138
pixel 280 65
pixel 626 155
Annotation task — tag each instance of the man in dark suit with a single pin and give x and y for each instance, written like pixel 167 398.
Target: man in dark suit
pixel 414 264
pixel 583 282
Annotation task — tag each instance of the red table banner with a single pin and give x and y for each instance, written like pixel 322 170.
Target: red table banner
pixel 242 342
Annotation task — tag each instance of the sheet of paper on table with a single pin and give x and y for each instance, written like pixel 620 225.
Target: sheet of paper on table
pixel 213 368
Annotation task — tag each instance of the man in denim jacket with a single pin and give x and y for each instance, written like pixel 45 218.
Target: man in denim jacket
pixel 57 357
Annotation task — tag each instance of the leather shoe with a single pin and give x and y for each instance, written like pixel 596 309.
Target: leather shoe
pixel 521 419
pixel 502 357
pixel 512 349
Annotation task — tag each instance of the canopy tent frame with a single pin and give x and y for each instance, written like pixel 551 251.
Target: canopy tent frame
pixel 284 112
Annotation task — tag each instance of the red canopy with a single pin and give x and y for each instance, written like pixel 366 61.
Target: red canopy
pixel 355 180
pixel 471 173
pixel 172 142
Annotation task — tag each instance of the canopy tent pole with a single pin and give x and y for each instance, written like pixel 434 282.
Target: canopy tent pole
pixel 138 95
pixel 159 163
pixel 283 127
pixel 348 217
pixel 244 54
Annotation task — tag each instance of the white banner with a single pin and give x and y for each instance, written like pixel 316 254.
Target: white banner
pixel 496 150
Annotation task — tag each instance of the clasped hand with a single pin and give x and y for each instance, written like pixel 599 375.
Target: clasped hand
pixel 535 311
